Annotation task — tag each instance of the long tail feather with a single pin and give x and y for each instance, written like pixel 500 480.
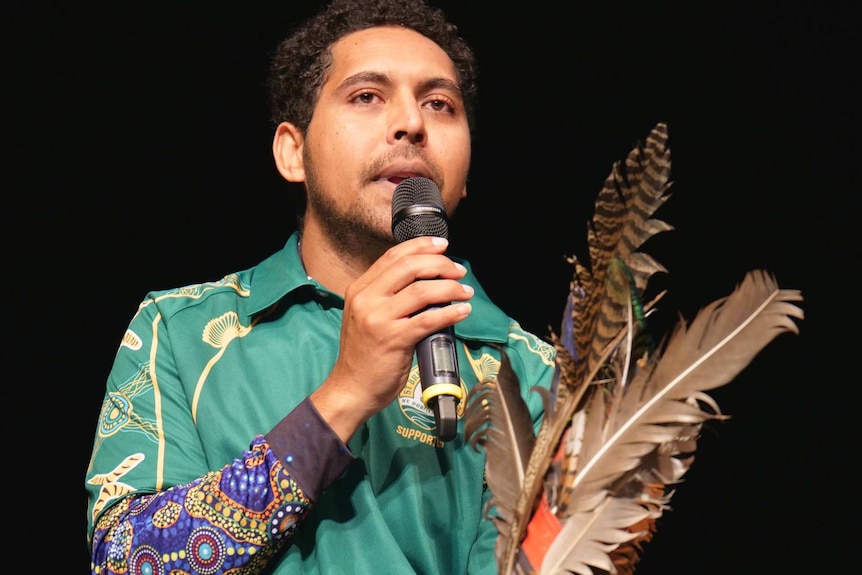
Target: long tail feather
pixel 587 539
pixel 723 339
pixel 597 309
pixel 498 420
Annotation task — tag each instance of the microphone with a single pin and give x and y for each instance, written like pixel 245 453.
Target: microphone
pixel 417 210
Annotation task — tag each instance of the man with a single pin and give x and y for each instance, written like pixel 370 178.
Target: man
pixel 271 421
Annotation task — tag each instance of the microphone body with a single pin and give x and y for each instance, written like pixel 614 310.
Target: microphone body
pixel 417 210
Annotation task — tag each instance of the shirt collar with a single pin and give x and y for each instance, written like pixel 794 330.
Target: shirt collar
pixel 278 275
pixel 283 273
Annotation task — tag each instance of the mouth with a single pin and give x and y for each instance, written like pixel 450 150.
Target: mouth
pixel 398 172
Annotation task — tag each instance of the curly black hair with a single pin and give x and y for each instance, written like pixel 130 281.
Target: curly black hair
pixel 298 68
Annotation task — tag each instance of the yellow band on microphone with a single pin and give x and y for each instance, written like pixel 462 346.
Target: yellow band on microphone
pixel 441 389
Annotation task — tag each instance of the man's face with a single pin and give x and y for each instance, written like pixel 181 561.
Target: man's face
pixel 389 109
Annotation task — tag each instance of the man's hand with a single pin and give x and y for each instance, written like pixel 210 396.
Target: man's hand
pixel 383 322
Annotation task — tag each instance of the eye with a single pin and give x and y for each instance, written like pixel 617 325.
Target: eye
pixel 441 105
pixel 364 98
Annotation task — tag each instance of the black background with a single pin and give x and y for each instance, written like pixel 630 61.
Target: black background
pixel 138 157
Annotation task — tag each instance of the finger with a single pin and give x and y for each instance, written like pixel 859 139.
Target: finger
pixel 433 319
pixel 403 274
pixel 422 294
pixel 408 286
pixel 397 253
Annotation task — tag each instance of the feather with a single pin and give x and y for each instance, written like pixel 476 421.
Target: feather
pixel 587 538
pixel 623 415
pixel 723 339
pixel 621 223
pixel 498 419
pixel 600 296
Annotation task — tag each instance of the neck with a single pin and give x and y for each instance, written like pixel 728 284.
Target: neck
pixel 333 264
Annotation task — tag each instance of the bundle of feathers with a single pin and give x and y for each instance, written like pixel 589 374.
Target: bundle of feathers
pixel 623 415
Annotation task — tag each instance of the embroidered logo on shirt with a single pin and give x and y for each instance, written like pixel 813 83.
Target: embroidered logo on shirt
pixel 410 401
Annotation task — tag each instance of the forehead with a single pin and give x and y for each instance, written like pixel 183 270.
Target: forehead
pixel 392 51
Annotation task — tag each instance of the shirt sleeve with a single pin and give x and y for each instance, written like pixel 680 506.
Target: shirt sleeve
pixel 238 516
pixel 156 505
pixel 309 449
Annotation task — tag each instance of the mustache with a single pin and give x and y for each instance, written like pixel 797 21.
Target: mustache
pixel 376 166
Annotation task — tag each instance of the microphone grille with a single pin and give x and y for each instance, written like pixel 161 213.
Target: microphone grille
pixel 417 210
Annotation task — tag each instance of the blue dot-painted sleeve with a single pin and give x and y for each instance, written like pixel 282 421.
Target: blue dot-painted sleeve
pixel 237 517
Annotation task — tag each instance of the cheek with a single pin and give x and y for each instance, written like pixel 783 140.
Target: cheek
pixel 345 145
pixel 457 167
pixel 328 153
pixel 458 160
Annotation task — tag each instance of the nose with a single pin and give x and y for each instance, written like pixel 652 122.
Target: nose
pixel 406 123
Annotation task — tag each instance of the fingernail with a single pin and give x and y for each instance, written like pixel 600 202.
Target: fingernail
pixel 467 289
pixel 438 241
pixel 460 267
pixel 464 308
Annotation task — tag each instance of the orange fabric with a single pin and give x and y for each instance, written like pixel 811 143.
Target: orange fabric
pixel 541 532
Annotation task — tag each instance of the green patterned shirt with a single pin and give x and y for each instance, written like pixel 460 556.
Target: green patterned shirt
pixel 209 457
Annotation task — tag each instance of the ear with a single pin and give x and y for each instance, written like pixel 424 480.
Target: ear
pixel 287 146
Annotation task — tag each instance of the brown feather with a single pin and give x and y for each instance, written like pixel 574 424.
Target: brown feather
pixel 498 420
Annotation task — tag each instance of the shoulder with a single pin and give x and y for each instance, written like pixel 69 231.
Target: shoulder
pixel 233 288
pixel 529 345
pixel 530 356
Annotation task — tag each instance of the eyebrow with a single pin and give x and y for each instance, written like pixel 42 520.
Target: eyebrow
pixel 381 78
